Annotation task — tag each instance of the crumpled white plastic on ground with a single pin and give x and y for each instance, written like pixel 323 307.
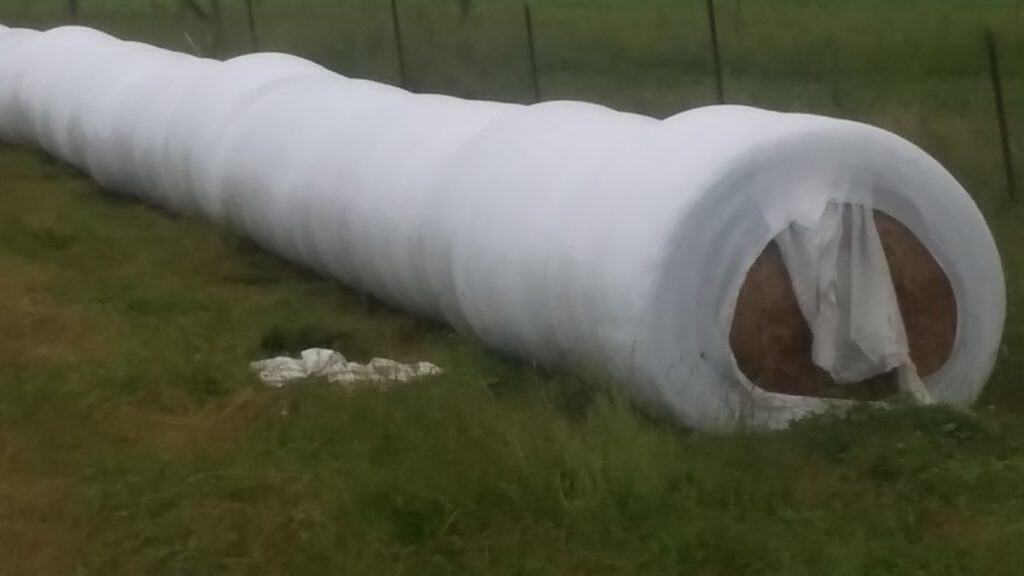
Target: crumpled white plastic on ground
pixel 561 232
pixel 332 366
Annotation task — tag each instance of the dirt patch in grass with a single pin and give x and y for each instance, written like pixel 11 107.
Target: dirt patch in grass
pixel 189 432
pixel 32 326
pixel 33 539
pixel 960 529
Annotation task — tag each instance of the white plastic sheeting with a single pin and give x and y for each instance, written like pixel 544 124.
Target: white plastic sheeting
pixel 844 288
pixel 332 366
pixel 561 232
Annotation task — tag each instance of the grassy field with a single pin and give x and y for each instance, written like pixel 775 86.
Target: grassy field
pixel 133 439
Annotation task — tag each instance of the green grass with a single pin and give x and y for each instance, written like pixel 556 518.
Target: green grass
pixel 133 439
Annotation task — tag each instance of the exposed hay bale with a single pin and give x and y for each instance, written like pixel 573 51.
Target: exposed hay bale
pixel 772 341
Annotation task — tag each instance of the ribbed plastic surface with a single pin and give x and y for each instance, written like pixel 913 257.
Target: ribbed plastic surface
pixel 562 232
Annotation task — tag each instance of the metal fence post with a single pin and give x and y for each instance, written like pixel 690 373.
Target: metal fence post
pixel 251 13
pixel 1004 131
pixel 532 51
pixel 398 44
pixel 720 92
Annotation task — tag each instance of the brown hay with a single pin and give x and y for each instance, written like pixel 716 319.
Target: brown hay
pixel 772 342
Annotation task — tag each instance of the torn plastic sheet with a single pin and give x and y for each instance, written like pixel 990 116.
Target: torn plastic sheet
pixel 844 288
pixel 562 232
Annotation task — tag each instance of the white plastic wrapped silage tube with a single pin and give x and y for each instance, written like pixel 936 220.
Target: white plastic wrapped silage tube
pixel 562 232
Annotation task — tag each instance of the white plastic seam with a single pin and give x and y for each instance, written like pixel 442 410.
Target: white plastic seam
pixel 561 232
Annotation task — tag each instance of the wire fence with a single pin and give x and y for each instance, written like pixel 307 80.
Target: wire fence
pixel 945 73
